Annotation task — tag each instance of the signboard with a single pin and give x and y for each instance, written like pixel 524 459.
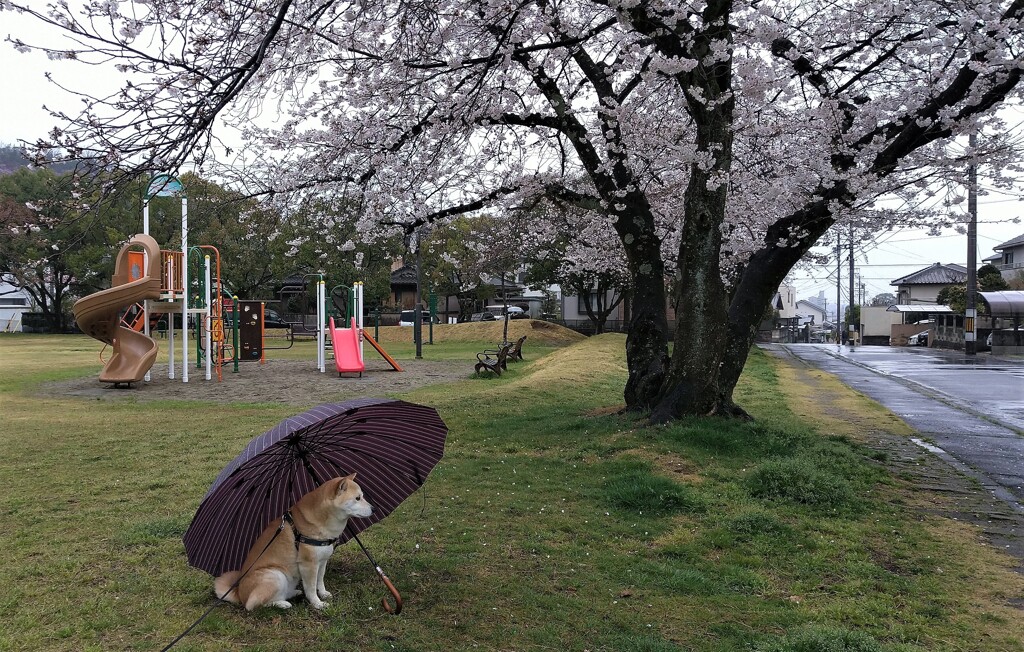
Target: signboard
pixel 165 185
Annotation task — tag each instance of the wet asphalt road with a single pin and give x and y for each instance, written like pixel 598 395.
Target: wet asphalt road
pixel 970 411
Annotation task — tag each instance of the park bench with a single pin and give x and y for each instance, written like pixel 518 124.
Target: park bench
pixel 493 361
pixel 516 352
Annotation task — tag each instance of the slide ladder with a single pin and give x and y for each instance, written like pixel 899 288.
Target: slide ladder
pixel 381 351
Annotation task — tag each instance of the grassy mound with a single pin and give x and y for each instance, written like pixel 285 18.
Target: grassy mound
pixel 536 331
pixel 601 356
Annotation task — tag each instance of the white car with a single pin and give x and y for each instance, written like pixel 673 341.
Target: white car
pixel 918 339
pixel 408 317
pixel 514 312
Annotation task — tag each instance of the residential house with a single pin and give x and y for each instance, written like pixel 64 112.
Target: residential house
pixel 917 305
pixel 1010 260
pixel 810 311
pixel 574 310
pixel 785 301
pixel 923 286
pixel 403 286
pixel 403 293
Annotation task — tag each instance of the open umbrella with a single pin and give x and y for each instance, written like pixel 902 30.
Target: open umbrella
pixel 391 445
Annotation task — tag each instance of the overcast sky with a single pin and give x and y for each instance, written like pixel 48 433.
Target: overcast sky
pixel 890 255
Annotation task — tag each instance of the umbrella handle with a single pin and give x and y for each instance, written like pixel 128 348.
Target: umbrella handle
pixel 397 609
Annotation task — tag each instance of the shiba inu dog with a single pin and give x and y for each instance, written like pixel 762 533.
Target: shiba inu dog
pixel 299 552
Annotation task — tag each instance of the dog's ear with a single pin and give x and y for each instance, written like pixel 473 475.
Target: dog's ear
pixel 343 485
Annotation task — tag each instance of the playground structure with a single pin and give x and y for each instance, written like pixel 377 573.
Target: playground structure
pixel 121 316
pixel 98 315
pixel 137 289
pixel 347 343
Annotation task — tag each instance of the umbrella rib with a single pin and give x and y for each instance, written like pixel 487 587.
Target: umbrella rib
pixel 390 466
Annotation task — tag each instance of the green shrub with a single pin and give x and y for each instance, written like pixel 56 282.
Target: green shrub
pixel 822 639
pixel 799 481
pixel 750 524
pixel 639 490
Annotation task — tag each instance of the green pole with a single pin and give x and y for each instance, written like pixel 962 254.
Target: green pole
pixel 198 338
pixel 376 325
pixel 200 279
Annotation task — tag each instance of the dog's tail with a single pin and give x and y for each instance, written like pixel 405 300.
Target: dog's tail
pixel 224 586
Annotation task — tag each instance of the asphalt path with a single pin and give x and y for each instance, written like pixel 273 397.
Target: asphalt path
pixel 969 410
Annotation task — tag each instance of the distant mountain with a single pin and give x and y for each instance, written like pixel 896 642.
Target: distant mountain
pixel 11 159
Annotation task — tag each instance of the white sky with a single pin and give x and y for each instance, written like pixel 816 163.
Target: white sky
pixel 892 255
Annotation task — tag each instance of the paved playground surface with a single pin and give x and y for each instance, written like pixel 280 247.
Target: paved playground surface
pixel 292 382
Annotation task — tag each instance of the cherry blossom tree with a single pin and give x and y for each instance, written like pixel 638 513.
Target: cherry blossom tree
pixel 736 134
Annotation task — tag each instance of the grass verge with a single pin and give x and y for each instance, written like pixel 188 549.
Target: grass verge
pixel 551 523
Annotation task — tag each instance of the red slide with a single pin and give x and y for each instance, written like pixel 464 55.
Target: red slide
pixel 345 343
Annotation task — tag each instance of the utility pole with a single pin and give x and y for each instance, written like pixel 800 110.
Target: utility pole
pixel 970 330
pixel 417 325
pixel 839 291
pixel 853 297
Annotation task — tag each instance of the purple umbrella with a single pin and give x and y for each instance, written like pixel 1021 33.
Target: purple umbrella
pixel 391 445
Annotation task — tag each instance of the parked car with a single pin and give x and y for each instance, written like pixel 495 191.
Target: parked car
pixel 482 316
pixel 514 312
pixel 273 320
pixel 918 339
pixel 408 318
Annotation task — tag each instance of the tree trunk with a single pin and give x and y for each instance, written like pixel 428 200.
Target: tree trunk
pixel 691 384
pixel 646 351
pixel 760 278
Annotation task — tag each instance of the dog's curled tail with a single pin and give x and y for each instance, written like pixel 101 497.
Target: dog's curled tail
pixel 224 586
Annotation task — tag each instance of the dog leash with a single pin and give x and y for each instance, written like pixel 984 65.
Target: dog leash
pixel 397 609
pixel 220 599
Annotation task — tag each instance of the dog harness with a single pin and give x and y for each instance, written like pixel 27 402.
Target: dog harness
pixel 301 538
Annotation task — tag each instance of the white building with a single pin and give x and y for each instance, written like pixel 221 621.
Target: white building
pixel 13 303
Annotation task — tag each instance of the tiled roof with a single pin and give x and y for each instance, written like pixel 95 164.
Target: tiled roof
pixel 937 274
pixel 404 275
pixel 1019 240
pixel 810 303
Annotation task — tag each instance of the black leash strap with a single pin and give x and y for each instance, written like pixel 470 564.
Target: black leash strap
pixel 220 599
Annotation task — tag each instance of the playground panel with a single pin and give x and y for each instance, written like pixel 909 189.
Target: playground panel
pixel 250 330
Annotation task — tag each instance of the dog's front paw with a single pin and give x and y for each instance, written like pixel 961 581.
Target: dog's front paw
pixel 324 594
pixel 319 605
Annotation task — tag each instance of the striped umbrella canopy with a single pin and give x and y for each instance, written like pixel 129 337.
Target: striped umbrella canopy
pixel 391 445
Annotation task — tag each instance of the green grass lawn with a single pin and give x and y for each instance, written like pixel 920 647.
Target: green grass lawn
pixel 552 523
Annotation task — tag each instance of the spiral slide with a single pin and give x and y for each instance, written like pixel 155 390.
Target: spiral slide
pixel 98 315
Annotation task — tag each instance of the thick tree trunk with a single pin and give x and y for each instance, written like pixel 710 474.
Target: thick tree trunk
pixel 761 277
pixel 646 350
pixel 646 343
pixel 691 384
